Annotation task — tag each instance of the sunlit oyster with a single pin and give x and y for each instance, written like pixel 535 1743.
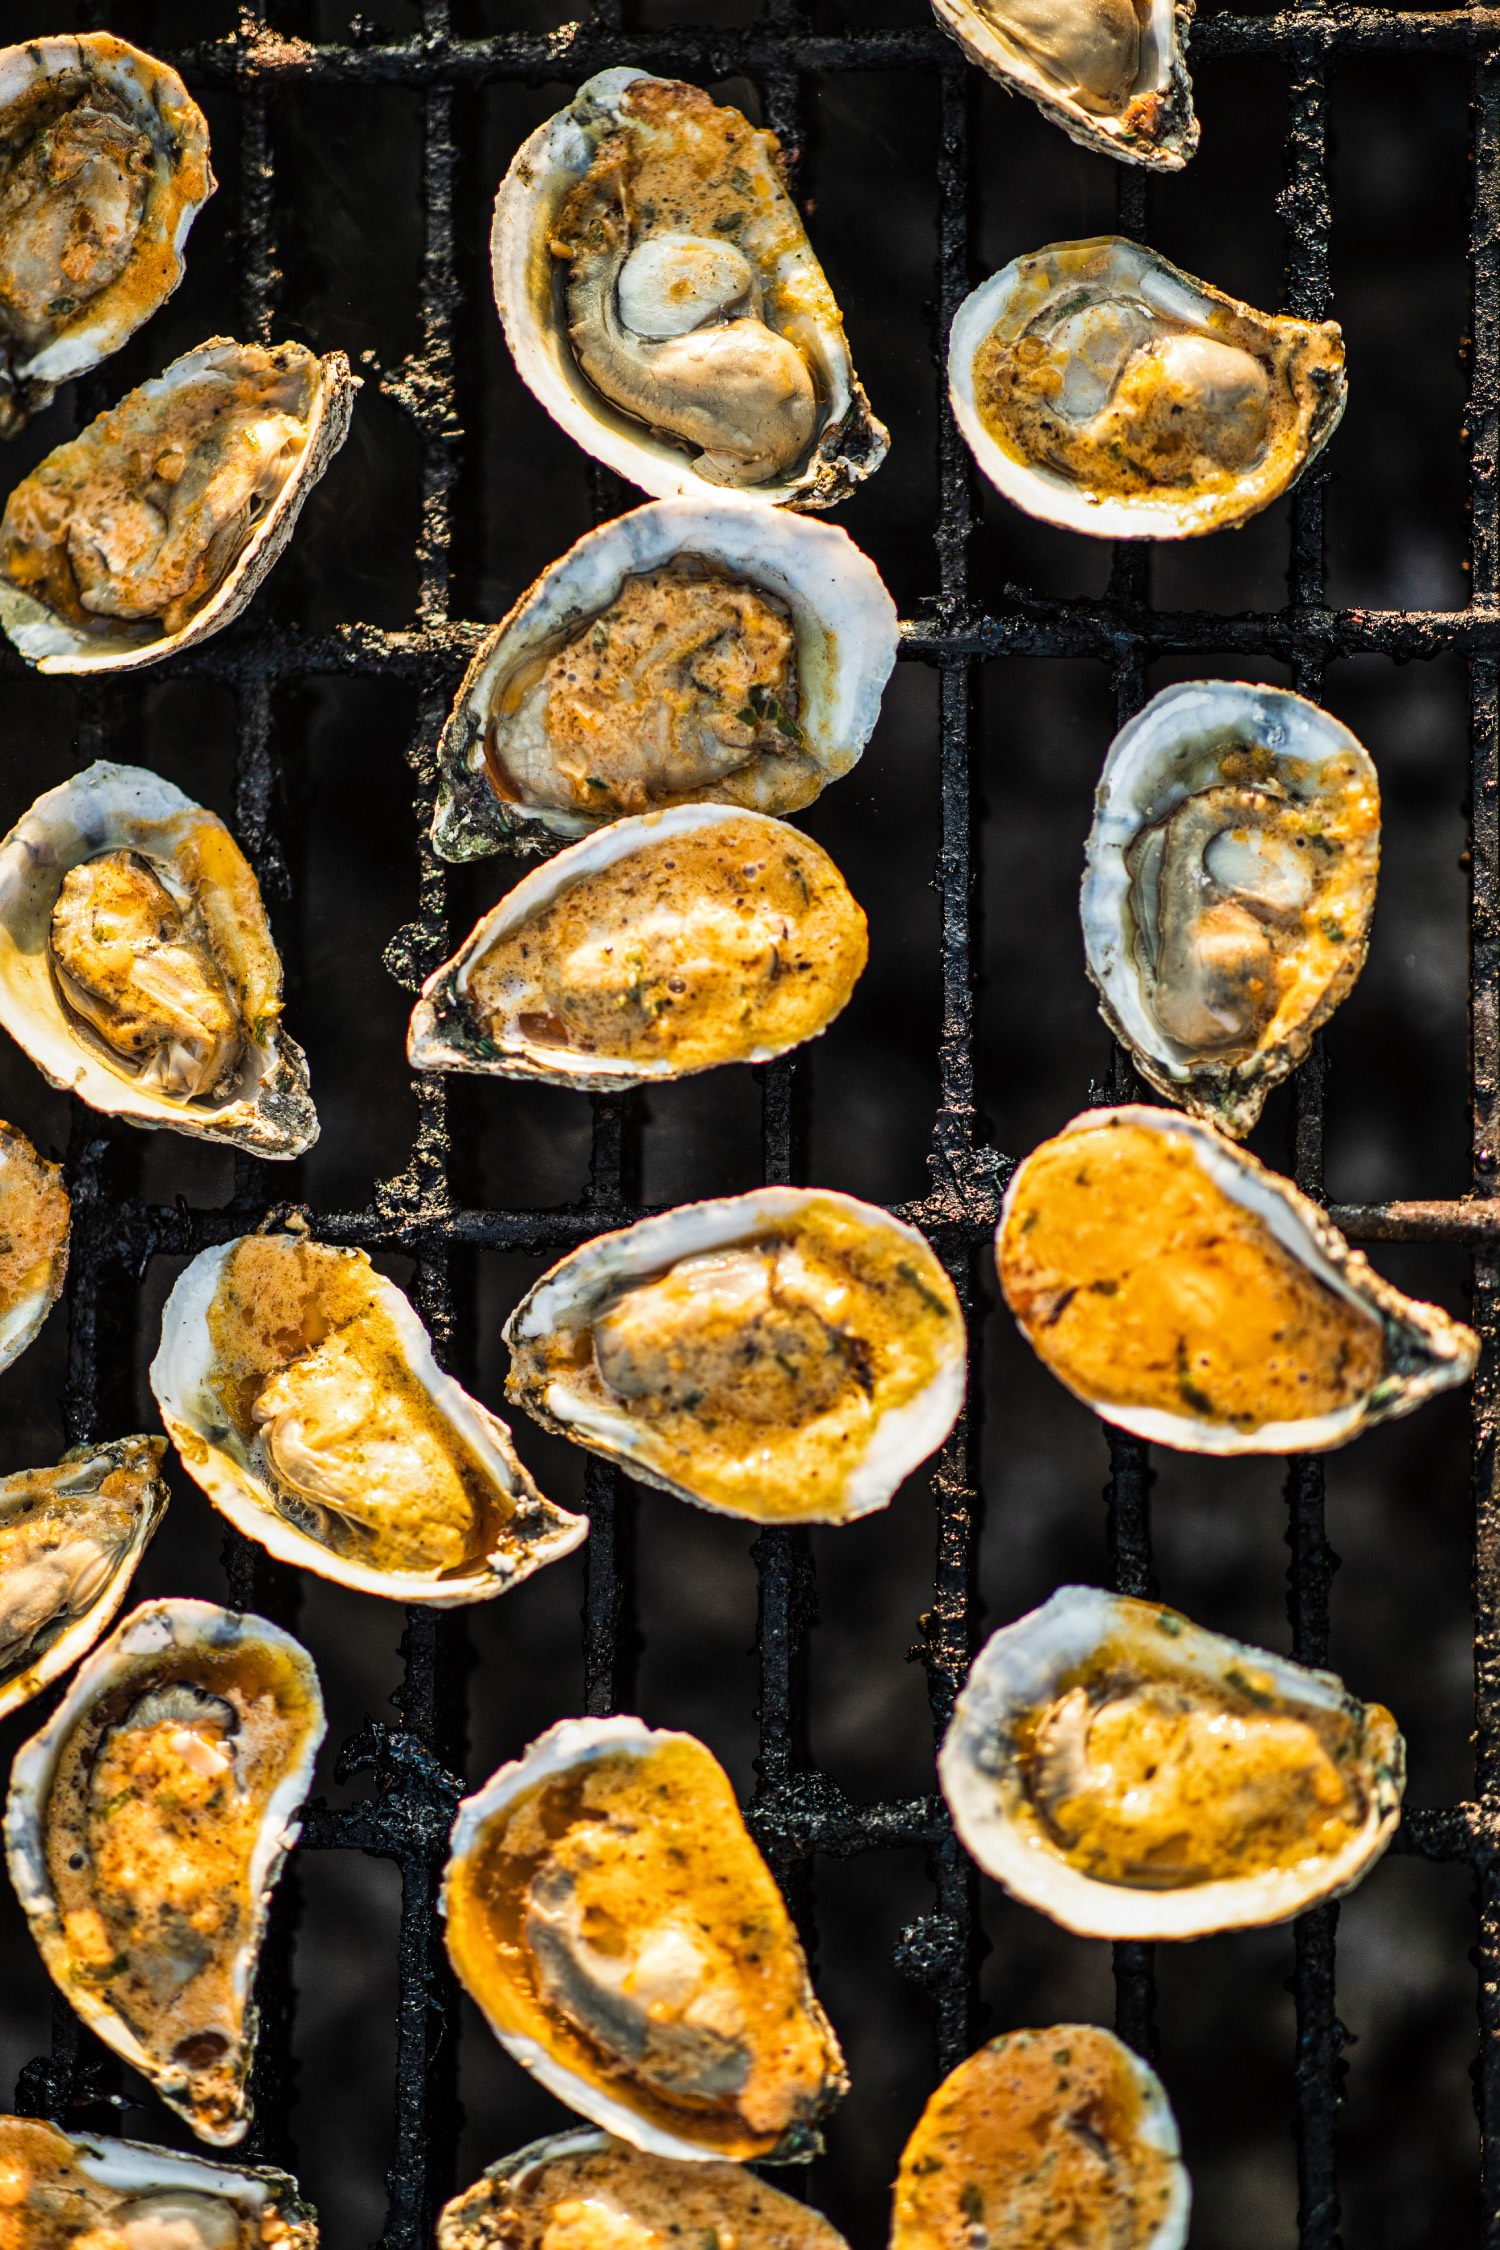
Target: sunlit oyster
pixel 1111 73
pixel 658 947
pixel 146 1827
pixel 80 2191
pixel 1134 1776
pixel 692 650
pixel 1045 2138
pixel 1188 1294
pixel 1100 388
pixel 137 967
pixel 156 526
pixel 70 1539
pixel 661 299
pixel 35 1219
pixel 103 169
pixel 788 1356
pixel 628 1944
pixel 300 1389
pixel 1230 884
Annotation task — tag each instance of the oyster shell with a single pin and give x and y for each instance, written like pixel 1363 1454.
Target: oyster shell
pixel 154 528
pixel 662 301
pixel 300 1389
pixel 1133 1776
pixel 584 2190
pixel 70 1540
pixel 692 650
pixel 81 2188
pixel 1100 388
pixel 137 967
pixel 103 169
pixel 626 1941
pixel 659 947
pixel 787 1356
pixel 146 1828
pixel 1186 1293
pixel 1111 73
pixel 1046 2137
pixel 1231 880
pixel 35 1223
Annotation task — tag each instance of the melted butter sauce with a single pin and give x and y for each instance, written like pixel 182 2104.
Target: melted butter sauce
pixel 619 2198
pixel 34 1216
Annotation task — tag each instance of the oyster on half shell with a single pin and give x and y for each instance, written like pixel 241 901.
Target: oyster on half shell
pixel 146 1828
pixel 1111 73
pixel 65 2189
pixel 35 1224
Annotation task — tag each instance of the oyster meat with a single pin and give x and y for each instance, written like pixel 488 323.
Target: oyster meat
pixel 146 1827
pixel 1231 880
pixel 788 1356
pixel 1044 2138
pixel 155 527
pixel 1100 388
pixel 1186 1293
pixel 693 650
pixel 103 168
pixel 661 299
pixel 661 946
pixel 81 2191
pixel 626 1941
pixel 137 967
pixel 1111 73
pixel 300 1389
pixel 35 1221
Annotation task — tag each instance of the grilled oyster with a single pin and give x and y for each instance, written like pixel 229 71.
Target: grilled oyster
pixel 103 169
pixel 146 1828
pixel 35 1221
pixel 137 967
pixel 70 1540
pixel 787 1356
pixel 628 1944
pixel 1044 2138
pixel 1134 1776
pixel 80 2189
pixel 1183 1291
pixel 662 301
pixel 692 650
pixel 1100 388
pixel 1111 73
pixel 156 526
pixel 300 1389
pixel 661 946
pixel 1230 885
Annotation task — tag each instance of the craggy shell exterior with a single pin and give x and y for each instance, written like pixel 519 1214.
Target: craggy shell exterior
pixel 181 184
pixel 81 1472
pixel 844 619
pixel 1166 753
pixel 1111 266
pixel 851 444
pixel 1157 126
pixel 53 644
pixel 266 2204
pixel 108 808
pixel 145 1644
pixel 236 1483
pixel 1427 1352
pixel 1026 1663
pixel 23 1177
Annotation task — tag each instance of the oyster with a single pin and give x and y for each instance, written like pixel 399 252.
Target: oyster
pixel 80 2191
pixel 1230 885
pixel 35 1221
pixel 1043 2138
pixel 1100 388
pixel 627 1943
pixel 1111 73
pixel 659 947
pixel 156 526
pixel 692 650
pixel 585 2191
pixel 300 1389
pixel 788 1356
pixel 1186 1293
pixel 146 1828
pixel 137 967
pixel 70 1540
pixel 662 301
pixel 103 169
pixel 1133 1776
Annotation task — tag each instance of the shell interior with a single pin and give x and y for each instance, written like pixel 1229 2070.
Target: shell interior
pixel 1112 76
pixel 129 2193
pixel 35 1224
